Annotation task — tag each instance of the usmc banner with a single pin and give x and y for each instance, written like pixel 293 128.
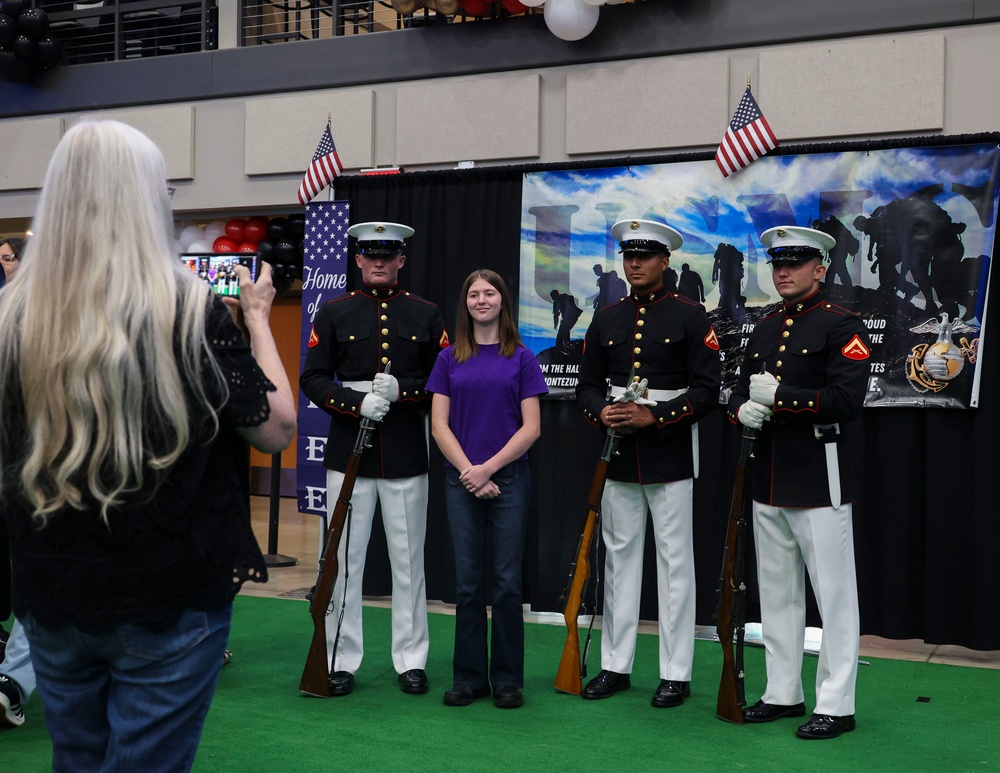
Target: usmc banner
pixel 914 228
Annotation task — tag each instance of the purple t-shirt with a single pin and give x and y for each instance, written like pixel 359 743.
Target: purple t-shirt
pixel 486 393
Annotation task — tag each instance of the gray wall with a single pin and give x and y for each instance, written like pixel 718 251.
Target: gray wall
pixel 238 126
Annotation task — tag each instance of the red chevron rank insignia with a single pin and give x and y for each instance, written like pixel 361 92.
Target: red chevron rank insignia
pixel 313 338
pixel 711 341
pixel 855 349
pixel 443 341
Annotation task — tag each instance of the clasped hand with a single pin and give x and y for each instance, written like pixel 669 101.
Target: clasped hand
pixel 476 480
pixel 626 418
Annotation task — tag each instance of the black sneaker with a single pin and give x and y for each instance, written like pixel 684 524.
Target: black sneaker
pixel 10 702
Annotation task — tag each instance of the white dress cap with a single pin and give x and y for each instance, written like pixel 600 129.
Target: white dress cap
pixel 645 236
pixel 379 236
pixel 792 242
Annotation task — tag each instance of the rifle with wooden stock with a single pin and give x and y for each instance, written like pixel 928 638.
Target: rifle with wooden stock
pixel 316 674
pixel 731 615
pixel 573 666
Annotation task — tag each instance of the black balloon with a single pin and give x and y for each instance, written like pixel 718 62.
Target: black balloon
pixel 8 28
pixel 277 229
pixel 13 68
pixel 34 22
pixel 13 7
pixel 24 46
pixel 266 249
pixel 49 50
pixel 285 251
pixel 296 225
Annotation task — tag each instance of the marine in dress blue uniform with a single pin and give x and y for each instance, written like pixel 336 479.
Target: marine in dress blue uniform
pixel 802 384
pixel 353 338
pixel 668 340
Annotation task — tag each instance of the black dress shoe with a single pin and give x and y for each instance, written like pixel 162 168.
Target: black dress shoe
pixel 463 695
pixel 824 726
pixel 670 694
pixel 413 681
pixel 768 712
pixel 341 683
pixel 606 684
pixel 507 698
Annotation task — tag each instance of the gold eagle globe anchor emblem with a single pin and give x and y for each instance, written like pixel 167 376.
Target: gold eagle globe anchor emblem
pixel 930 367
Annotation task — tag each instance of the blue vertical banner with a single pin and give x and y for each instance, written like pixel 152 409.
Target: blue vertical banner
pixel 324 277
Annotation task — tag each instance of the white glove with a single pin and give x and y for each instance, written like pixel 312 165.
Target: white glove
pixel 374 407
pixel 386 386
pixel 762 388
pixel 633 394
pixel 753 414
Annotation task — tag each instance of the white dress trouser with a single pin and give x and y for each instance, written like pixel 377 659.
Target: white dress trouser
pixel 789 541
pixel 404 516
pixel 624 529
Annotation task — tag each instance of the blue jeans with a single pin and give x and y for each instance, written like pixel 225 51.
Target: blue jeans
pixel 488 536
pixel 128 699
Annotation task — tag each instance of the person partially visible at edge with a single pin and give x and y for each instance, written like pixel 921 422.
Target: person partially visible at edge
pixel 127 409
pixel 11 250
pixel 484 418
pixel 667 340
pixel 802 385
pixel 353 338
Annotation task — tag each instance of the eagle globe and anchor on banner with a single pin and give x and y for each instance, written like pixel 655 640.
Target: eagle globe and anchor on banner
pixel 931 366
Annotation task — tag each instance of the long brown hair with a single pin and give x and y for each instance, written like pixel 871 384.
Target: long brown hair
pixel 464 346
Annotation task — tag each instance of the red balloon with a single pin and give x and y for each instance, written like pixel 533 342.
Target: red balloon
pixel 248 247
pixel 514 7
pixel 224 244
pixel 476 7
pixel 235 228
pixel 255 231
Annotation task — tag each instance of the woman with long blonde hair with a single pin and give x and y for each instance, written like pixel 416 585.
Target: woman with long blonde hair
pixel 127 394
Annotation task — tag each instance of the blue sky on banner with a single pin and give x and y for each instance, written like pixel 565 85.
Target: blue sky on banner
pixel 567 215
pixel 324 277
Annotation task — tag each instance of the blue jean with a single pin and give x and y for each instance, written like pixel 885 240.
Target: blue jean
pixel 488 536
pixel 16 664
pixel 128 699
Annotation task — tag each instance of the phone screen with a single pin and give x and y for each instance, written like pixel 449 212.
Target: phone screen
pixel 217 269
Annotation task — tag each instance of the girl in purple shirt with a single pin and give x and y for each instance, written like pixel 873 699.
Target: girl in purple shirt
pixel 484 418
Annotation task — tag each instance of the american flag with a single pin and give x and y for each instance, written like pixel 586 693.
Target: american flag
pixel 323 170
pixel 747 138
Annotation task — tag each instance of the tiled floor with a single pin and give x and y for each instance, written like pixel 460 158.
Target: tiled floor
pixel 298 538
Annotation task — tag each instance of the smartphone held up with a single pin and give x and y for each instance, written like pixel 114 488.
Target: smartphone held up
pixel 217 268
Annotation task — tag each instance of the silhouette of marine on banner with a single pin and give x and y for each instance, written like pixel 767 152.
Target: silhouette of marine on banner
pixel 914 230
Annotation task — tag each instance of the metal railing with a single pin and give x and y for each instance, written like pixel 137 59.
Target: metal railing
pixel 277 21
pixel 110 30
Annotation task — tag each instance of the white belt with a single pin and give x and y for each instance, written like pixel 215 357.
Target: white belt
pixel 661 396
pixel 359 386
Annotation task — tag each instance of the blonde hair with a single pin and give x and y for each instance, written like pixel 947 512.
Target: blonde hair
pixel 104 332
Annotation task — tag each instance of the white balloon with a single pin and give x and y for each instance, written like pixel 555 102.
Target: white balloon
pixel 598 2
pixel 199 247
pixel 533 3
pixel 190 234
pixel 570 19
pixel 214 230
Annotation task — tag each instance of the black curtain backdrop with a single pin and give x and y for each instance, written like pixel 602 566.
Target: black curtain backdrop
pixel 926 529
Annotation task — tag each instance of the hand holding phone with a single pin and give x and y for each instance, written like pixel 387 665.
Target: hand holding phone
pixel 217 269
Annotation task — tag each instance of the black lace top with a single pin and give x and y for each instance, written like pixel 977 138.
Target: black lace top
pixel 185 543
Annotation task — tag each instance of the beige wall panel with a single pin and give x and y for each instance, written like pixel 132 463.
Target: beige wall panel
pixel 27 147
pixel 282 133
pixel 468 120
pixel 646 105
pixel 868 86
pixel 171 128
